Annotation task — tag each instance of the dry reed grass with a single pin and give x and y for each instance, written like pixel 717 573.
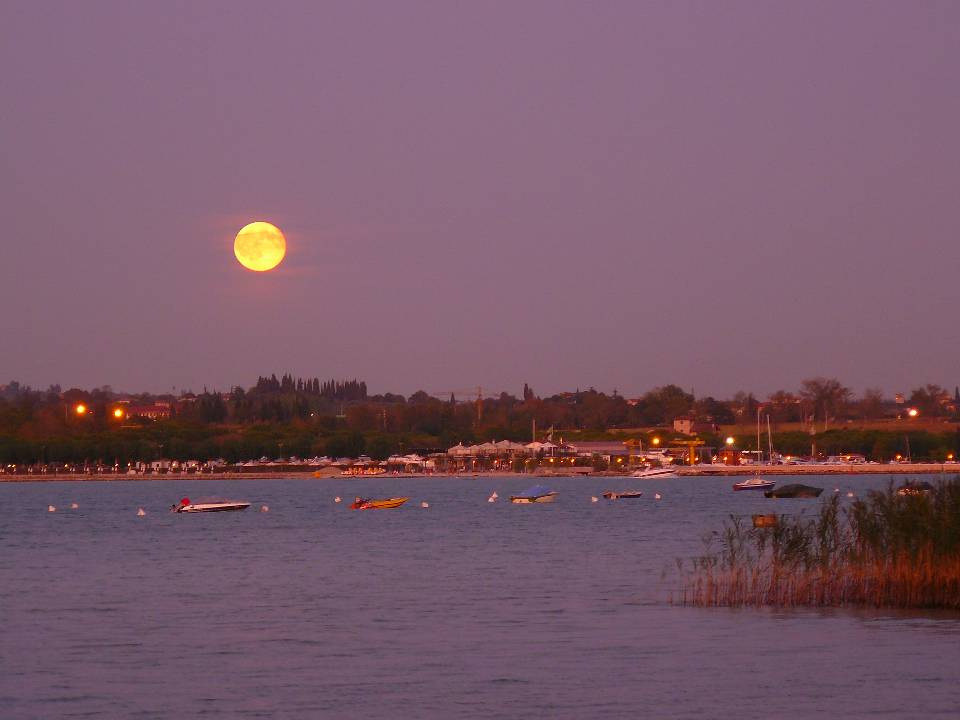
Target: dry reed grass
pixel 883 551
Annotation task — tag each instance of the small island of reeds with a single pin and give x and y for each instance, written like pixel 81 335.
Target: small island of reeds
pixel 888 550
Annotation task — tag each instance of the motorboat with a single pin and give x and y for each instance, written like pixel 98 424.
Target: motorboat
pixel 794 491
pixel 209 505
pixel 915 488
pixel 754 483
pixel 655 473
pixel 377 503
pixel 622 494
pixel 536 494
pixel 757 482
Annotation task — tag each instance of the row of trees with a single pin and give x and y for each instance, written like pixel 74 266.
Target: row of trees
pixel 303 416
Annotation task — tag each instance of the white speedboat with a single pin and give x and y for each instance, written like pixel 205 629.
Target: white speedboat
pixel 655 473
pixel 754 483
pixel 209 505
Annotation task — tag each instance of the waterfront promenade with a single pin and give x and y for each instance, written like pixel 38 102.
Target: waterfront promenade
pixel 946 469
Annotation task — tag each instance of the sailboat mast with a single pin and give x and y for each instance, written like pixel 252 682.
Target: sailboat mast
pixel 769 442
pixel 759 452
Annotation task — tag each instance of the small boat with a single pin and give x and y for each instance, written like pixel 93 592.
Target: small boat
pixel 794 491
pixel 209 505
pixel 914 488
pixel 536 494
pixel 377 503
pixel 655 473
pixel 754 483
pixel 622 494
pixel 765 521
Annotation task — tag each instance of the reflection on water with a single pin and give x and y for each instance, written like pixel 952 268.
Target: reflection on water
pixel 463 609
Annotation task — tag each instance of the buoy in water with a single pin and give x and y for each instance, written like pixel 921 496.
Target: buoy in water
pixel 51 508
pixel 337 499
pixel 836 489
pixel 424 504
pixel 492 498
pixel 594 498
pixel 141 512
pixel 656 496
pixel 74 506
pixel 264 508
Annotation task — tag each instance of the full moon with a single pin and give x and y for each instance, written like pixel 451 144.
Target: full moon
pixel 260 246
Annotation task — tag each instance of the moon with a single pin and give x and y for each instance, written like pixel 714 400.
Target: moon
pixel 260 246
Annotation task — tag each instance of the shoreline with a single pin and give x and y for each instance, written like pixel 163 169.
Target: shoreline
pixel 682 471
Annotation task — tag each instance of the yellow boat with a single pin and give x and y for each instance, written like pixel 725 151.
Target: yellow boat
pixel 377 503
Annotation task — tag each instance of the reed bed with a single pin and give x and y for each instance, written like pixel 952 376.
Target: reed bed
pixel 885 550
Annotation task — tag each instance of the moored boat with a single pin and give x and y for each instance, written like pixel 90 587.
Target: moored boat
pixel 655 473
pixel 622 494
pixel 765 521
pixel 377 503
pixel 911 487
pixel 754 483
pixel 209 505
pixel 536 494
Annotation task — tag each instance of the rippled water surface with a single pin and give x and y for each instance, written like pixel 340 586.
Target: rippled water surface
pixel 466 609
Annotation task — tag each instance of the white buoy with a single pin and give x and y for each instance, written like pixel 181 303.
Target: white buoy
pixel 849 494
pixel 141 512
pixel 424 504
pixel 74 506
pixel 51 508
pixel 836 489
pixel 594 498
pixel 491 499
pixel 264 508
pixel 337 499
pixel 656 496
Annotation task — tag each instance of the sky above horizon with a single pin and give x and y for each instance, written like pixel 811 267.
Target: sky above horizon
pixel 723 196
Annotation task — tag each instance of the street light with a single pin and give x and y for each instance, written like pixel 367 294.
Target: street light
pixel 913 412
pixel 80 409
pixel 118 413
pixel 656 441
pixel 729 440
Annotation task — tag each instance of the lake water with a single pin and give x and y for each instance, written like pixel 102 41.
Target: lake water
pixel 467 609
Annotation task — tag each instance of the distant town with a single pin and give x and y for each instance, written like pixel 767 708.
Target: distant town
pixel 333 427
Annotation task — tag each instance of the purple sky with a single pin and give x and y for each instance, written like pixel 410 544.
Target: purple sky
pixel 721 195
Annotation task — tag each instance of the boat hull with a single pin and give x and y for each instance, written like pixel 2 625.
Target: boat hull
pixel 537 499
pixel 379 504
pixel 754 484
pixel 625 495
pixel 660 474
pixel 212 507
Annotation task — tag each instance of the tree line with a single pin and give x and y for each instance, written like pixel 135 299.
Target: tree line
pixel 306 416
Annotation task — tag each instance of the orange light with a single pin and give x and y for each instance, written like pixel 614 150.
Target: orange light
pixel 950 456
pixel 913 412
pixel 118 413
pixel 80 409
pixel 656 441
pixel 729 441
